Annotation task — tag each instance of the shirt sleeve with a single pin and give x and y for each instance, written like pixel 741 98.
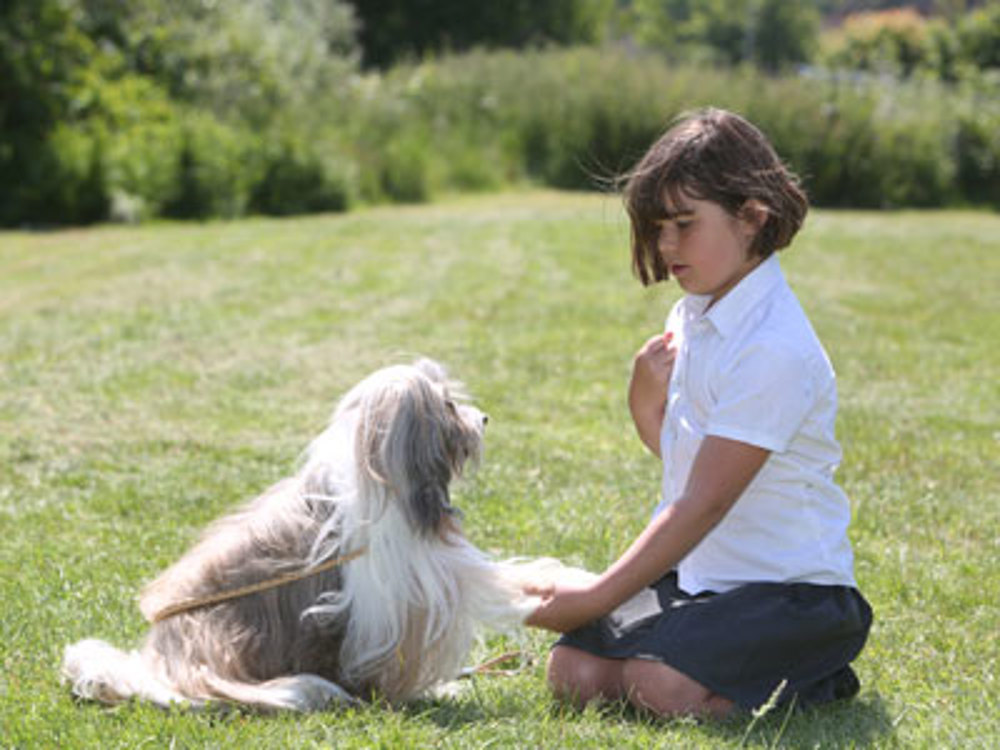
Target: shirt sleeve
pixel 763 396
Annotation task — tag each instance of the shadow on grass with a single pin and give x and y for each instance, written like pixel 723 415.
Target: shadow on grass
pixel 450 712
pixel 859 722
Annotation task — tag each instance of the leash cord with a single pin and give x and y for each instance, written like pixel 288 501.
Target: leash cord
pixel 488 667
pixel 188 605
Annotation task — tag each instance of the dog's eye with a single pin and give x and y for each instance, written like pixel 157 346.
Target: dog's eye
pixel 451 406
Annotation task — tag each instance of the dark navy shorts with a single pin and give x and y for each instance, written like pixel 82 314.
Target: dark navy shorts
pixel 742 644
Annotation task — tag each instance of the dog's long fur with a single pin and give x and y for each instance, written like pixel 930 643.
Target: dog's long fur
pixel 391 623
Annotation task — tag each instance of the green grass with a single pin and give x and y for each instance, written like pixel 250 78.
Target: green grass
pixel 152 377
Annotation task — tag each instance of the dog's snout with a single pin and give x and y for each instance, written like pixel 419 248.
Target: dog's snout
pixel 486 419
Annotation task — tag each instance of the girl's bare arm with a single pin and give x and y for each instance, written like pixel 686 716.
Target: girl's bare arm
pixel 722 470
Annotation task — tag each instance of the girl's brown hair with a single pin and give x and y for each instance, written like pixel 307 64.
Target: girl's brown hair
pixel 717 156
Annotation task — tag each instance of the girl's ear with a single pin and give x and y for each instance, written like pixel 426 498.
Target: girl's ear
pixel 753 213
pixel 752 217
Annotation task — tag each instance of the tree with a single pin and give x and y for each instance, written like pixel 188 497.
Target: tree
pixel 113 97
pixel 242 59
pixel 890 41
pixel 979 36
pixel 767 33
pixel 399 29
pixel 44 58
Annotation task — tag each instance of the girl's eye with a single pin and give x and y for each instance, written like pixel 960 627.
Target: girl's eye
pixel 683 223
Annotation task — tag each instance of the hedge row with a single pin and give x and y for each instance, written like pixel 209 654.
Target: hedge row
pixel 573 118
pixel 569 118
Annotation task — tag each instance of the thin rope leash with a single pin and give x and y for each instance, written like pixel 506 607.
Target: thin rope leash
pixel 187 605
pixel 489 667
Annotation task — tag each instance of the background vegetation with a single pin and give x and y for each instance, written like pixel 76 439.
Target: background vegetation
pixel 129 109
pixel 155 376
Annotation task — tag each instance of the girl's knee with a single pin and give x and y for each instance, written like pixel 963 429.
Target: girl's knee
pixel 652 686
pixel 579 678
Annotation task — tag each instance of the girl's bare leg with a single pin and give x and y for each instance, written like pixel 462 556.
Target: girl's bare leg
pixel 579 678
pixel 653 686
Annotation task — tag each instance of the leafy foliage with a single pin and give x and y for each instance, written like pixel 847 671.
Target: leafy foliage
pixel 901 42
pixel 132 108
pixel 576 118
pixel 242 60
pixel 769 33
pixel 128 109
pixel 406 30
pixel 294 180
pixel 45 161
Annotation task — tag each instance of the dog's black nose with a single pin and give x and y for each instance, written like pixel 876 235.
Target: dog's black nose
pixel 486 419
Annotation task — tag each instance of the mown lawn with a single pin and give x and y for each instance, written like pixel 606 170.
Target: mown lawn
pixel 152 377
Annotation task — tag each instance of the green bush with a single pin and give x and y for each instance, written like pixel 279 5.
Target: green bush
pixel 979 37
pixel 860 144
pixel 593 114
pixel 51 162
pixel 148 108
pixel 977 148
pixel 394 30
pixel 403 171
pixel 212 173
pixel 889 41
pixel 390 139
pixel 902 42
pixel 573 118
pixel 773 34
pixel 143 130
pixel 295 180
pixel 69 178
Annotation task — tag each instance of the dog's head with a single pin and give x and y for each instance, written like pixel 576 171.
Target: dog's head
pixel 413 433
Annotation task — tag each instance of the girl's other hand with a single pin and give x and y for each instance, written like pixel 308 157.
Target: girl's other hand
pixel 654 363
pixel 647 396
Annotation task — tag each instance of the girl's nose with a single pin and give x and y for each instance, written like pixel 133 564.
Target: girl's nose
pixel 667 239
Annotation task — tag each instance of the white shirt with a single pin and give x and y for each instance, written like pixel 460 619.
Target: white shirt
pixel 752 369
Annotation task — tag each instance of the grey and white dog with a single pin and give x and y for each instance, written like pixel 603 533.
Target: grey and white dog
pixel 395 615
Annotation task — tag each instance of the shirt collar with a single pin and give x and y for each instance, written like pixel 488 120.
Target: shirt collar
pixel 734 306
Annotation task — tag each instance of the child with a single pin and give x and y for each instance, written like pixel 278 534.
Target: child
pixel 742 583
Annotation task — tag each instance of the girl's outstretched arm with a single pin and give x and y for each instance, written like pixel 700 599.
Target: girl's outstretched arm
pixel 647 391
pixel 722 470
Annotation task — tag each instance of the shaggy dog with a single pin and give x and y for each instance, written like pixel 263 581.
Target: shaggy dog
pixel 351 579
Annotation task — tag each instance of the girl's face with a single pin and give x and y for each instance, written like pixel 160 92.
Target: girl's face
pixel 706 248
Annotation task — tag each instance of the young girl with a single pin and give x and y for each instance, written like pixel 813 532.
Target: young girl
pixel 741 585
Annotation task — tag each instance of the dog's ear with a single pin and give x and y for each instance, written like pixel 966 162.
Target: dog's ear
pixel 408 445
pixel 420 451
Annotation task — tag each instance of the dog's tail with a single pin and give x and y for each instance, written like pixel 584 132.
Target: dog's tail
pixel 299 692
pixel 98 671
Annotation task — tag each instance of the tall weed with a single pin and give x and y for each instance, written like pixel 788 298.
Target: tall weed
pixel 571 118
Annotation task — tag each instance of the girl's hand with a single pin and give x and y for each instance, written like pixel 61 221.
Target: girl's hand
pixel 565 608
pixel 647 395
pixel 653 365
